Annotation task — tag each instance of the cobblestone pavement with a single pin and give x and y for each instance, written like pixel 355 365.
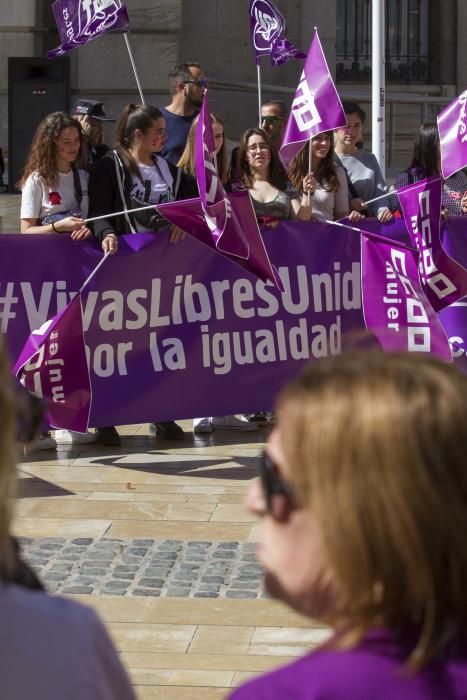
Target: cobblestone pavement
pixel 146 567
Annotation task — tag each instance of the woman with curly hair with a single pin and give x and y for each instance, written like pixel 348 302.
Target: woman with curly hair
pixel 326 183
pixel 54 187
pixel 262 174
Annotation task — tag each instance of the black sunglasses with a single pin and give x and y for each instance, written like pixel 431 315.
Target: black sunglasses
pixel 201 83
pixel 272 119
pixel 273 484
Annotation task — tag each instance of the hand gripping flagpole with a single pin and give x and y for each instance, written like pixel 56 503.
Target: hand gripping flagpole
pixel 133 65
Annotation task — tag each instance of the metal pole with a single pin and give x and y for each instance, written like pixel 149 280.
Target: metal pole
pixel 378 92
pixel 133 65
pixel 260 98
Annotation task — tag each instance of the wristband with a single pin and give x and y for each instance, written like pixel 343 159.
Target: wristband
pixel 53 227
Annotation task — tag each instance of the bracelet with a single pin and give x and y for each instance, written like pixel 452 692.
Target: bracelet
pixel 53 227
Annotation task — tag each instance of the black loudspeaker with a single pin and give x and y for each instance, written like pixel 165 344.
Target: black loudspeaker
pixel 36 87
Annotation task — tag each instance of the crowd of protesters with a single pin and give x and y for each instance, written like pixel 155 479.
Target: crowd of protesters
pixel 373 552
pixel 71 173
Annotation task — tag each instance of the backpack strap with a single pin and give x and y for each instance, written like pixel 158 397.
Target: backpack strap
pixel 77 186
pixel 119 171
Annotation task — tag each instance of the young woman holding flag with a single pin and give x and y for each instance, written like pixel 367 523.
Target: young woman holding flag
pixel 128 177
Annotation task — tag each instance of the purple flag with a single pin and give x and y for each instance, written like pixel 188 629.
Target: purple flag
pixel 53 365
pixel 452 127
pixel 231 222
pixel 267 27
pixel 316 106
pixel 188 215
pixel 443 279
pixel 80 21
pixel 395 308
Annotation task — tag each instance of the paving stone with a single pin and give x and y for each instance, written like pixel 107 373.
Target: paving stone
pixel 212 579
pixel 202 594
pixel 240 594
pixel 138 551
pixel 82 540
pixel 177 592
pixel 115 585
pixel 151 582
pixel 146 592
pixel 156 571
pixel 82 590
pixel 126 568
pixel 93 570
pixel 142 543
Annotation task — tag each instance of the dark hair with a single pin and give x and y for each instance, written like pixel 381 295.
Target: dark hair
pixel 42 157
pixel 179 73
pixel 133 117
pixel 326 173
pixel 354 108
pixel 283 111
pixel 425 157
pixel 276 175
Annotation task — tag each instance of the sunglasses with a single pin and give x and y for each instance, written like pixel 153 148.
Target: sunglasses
pixel 272 120
pixel 201 83
pixel 273 485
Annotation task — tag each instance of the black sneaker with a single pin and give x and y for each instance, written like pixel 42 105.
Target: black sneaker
pixel 108 436
pixel 168 430
pixel 261 418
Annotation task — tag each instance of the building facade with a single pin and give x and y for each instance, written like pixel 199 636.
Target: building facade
pixel 426 50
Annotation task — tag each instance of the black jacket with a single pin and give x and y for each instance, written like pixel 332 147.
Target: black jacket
pixel 105 195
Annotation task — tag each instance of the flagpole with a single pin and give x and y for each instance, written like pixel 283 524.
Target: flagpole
pixel 378 98
pixel 260 100
pixel 86 282
pixel 310 160
pixel 119 213
pixel 130 53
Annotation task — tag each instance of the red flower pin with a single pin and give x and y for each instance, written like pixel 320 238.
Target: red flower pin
pixel 54 198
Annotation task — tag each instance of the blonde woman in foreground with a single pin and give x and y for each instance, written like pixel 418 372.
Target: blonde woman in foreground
pixel 363 499
pixel 52 648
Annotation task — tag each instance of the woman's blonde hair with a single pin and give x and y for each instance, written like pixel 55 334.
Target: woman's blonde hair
pixel 7 465
pixel 377 448
pixel 188 161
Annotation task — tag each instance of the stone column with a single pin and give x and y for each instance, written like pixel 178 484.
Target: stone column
pixel 443 29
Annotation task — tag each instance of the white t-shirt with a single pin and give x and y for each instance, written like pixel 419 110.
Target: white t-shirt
pixel 155 187
pixel 325 205
pixel 39 200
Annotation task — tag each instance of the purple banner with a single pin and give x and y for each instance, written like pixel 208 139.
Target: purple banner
pixel 454 320
pixel 452 127
pixel 80 21
pixel 176 331
pixel 53 366
pixel 395 307
pixel 267 28
pixel 316 106
pixel 443 279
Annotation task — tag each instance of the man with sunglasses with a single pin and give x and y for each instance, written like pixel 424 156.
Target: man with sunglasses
pixel 187 86
pixel 274 120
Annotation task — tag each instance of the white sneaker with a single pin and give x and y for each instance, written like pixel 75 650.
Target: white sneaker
pixel 233 423
pixel 71 437
pixel 44 442
pixel 202 425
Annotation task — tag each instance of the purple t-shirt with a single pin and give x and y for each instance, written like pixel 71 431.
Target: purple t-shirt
pixel 371 671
